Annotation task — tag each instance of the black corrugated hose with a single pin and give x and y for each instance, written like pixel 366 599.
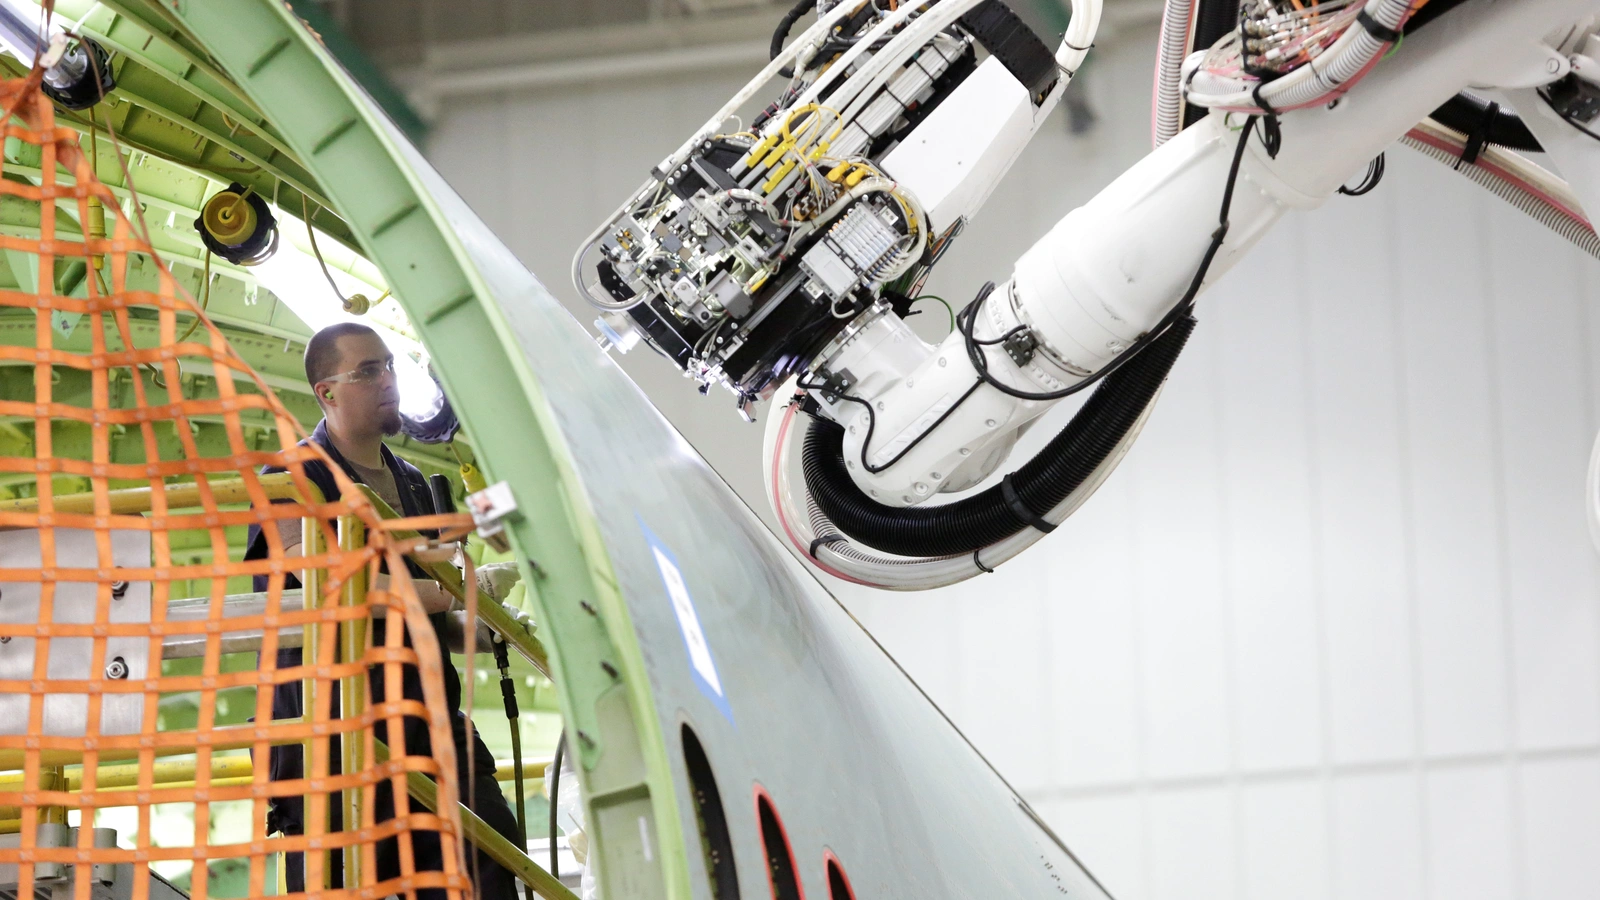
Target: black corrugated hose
pixel 781 34
pixel 982 519
pixel 801 7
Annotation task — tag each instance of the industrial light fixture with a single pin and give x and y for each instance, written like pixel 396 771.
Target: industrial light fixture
pixel 77 71
pixel 237 225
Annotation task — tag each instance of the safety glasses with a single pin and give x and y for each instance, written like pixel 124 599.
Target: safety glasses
pixel 367 373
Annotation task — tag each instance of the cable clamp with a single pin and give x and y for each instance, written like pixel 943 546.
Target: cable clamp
pixel 1024 515
pixel 1377 29
pixel 1271 134
pixel 1021 346
pixel 1478 136
pixel 979 563
pixel 491 508
pixel 830 539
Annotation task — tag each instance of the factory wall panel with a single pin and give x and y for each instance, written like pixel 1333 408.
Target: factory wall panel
pixel 1334 628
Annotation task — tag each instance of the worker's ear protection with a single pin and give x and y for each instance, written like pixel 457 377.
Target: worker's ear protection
pixel 328 394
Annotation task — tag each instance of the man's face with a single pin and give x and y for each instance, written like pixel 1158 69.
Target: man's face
pixel 369 400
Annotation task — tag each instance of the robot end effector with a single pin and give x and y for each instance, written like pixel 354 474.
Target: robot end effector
pixel 834 217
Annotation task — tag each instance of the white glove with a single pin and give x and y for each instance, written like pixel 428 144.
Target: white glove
pixel 523 619
pixel 496 580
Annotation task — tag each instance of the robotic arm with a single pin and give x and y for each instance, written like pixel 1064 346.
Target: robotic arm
pixel 780 260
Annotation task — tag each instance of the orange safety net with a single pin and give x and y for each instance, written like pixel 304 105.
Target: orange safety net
pixel 72 659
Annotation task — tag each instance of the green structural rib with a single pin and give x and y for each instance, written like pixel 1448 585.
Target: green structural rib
pixel 373 180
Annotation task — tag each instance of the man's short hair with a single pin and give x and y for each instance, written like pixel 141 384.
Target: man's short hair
pixel 322 351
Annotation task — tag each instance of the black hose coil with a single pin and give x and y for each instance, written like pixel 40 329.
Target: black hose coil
pixel 982 519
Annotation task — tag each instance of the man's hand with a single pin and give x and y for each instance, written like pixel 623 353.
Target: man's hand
pixel 496 580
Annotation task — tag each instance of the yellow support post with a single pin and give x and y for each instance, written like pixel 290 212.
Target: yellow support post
pixel 352 692
pixel 316 806
pixel 52 778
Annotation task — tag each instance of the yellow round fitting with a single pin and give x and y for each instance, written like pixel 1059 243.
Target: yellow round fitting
pixel 229 218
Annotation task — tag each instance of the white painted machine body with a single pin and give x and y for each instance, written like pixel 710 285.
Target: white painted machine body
pixel 921 420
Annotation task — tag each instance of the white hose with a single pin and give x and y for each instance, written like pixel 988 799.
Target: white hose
pixel 1075 44
pixel 594 238
pixel 1350 54
pixel 1177 30
pixel 1512 178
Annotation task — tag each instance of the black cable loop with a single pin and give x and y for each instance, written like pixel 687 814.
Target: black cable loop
pixel 1271 134
pixel 1375 169
pixel 979 563
pixel 801 7
pixel 872 424
pixel 1067 463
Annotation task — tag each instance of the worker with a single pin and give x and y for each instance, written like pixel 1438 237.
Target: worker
pixel 351 373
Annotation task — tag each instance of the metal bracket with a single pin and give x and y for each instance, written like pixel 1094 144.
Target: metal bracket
pixel 490 508
pixel 834 384
pixel 1021 346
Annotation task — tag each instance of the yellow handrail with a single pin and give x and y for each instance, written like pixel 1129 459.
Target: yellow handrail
pixel 223 768
pixel 223 737
pixel 130 501
pixel 127 776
